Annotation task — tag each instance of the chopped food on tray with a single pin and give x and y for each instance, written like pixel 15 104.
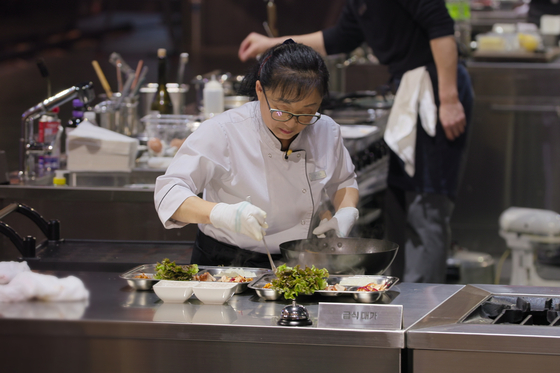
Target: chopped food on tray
pixel 233 272
pixel 335 287
pixel 207 277
pixel 356 280
pixel 168 270
pixel 235 279
pixel 142 276
pixel 372 287
pixel 293 281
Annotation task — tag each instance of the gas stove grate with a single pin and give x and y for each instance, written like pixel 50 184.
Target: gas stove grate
pixel 517 310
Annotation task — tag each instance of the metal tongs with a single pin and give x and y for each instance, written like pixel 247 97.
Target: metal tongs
pixel 248 199
pixel 269 256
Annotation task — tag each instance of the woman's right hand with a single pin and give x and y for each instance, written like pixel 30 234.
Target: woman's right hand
pixel 242 217
pixel 253 45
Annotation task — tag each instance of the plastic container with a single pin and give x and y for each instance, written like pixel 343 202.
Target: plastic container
pixel 213 96
pixel 59 178
pixel 166 133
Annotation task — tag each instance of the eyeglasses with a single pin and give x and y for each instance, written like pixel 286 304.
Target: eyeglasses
pixel 284 116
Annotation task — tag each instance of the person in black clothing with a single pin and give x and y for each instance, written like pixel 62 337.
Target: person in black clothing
pixel 405 35
pixel 538 8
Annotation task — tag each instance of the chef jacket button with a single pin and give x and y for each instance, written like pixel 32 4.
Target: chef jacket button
pixel 299 155
pixel 303 222
pixel 269 155
pixel 304 190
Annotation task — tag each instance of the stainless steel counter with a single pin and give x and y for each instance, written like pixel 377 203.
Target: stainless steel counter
pixel 133 331
pixel 441 340
pixel 110 206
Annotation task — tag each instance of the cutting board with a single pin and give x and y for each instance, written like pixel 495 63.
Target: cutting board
pixel 548 55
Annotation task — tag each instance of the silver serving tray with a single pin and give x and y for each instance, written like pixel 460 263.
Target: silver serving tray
pixel 150 270
pixel 359 296
pixel 218 271
pixel 140 283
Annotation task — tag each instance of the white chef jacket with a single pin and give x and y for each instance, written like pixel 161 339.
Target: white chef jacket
pixel 234 155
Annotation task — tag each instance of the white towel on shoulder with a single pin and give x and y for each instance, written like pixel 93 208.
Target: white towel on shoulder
pixel 415 97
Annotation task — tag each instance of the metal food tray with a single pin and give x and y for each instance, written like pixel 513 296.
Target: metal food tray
pixel 140 283
pixel 359 296
pixel 150 270
pixel 217 271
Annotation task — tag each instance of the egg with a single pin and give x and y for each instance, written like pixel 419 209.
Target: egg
pixel 176 143
pixel 155 145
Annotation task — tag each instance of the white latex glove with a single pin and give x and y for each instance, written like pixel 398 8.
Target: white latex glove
pixel 342 222
pixel 242 217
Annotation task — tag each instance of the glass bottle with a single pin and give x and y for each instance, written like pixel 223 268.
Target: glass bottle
pixel 162 100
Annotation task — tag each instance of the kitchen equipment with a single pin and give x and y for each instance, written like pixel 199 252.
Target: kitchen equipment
pixel 230 84
pixel 119 114
pixel 174 291
pixel 350 282
pixel 527 230
pixel 102 78
pixel 183 60
pixel 141 277
pixel 27 146
pixel 294 315
pixel 489 328
pixel 269 256
pixel 232 102
pixel 271 17
pixel 341 255
pixel 167 132
pixel 219 271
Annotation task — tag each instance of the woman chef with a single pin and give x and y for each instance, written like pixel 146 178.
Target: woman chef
pixel 262 166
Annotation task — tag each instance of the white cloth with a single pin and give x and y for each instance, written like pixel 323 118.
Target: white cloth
pixel 9 270
pixel 30 285
pixel 234 155
pixel 415 97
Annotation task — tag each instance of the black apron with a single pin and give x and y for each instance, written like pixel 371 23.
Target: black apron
pixel 211 252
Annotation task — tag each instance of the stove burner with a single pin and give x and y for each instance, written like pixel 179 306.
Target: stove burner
pixel 516 310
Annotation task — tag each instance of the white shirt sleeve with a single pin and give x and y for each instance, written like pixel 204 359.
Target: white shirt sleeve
pixel 203 156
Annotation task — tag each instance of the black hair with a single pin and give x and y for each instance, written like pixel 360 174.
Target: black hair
pixel 295 69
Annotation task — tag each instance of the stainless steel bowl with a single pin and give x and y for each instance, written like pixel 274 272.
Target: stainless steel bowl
pixel 341 255
pixel 141 283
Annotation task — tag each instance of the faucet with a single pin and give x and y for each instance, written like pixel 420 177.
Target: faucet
pixel 83 91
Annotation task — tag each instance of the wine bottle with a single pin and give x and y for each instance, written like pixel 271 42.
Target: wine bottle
pixel 162 101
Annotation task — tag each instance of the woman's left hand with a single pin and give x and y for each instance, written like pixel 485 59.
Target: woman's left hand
pixel 342 222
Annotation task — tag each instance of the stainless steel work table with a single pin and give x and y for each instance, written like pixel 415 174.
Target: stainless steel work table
pixel 133 331
pixel 442 339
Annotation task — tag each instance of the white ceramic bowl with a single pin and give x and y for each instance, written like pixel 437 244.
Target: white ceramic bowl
pixel 174 291
pixel 214 292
